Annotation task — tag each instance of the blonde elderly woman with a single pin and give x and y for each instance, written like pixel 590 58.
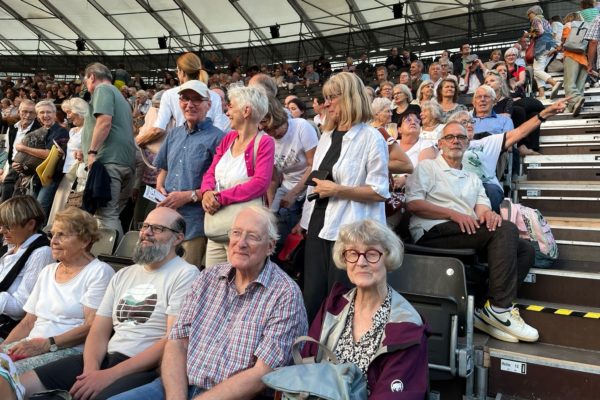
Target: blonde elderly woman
pixel 76 284
pixel 402 98
pixel 385 90
pixel 77 111
pixel 372 325
pixel 541 31
pixel 425 92
pixel 350 183
pixel 234 175
pixel 432 117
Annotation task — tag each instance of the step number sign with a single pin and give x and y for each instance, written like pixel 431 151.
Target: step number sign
pixel 513 366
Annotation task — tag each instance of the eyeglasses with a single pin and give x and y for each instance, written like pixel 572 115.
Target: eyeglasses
pixel 482 97
pixel 195 101
pixel 252 238
pixel 157 228
pixel 451 138
pixel 398 94
pixel 412 119
pixel 332 97
pixel 372 256
pixel 467 122
pixel 59 236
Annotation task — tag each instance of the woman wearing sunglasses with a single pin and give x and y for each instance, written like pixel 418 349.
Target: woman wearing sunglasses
pixel 372 325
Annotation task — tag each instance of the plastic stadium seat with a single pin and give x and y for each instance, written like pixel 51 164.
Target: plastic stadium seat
pixel 106 244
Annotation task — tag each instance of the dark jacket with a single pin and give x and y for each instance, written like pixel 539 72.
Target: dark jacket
pixel 400 361
pixel 97 188
pixel 12 135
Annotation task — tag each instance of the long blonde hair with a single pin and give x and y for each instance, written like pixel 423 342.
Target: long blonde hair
pixel 354 103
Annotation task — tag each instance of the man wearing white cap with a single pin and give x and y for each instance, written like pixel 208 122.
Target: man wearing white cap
pixel 184 157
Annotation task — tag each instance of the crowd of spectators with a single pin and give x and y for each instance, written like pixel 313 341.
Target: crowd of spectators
pixel 242 159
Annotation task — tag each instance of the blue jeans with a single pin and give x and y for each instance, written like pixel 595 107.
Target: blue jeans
pixel 153 391
pixel 46 196
pixel 495 194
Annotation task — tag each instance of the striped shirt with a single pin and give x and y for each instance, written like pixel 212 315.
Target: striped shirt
pixel 228 331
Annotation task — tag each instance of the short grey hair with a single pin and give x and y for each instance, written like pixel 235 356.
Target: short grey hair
pixel 405 90
pixel 488 89
pixel 45 103
pixel 253 97
pixel 142 92
pixel 456 116
pixel 66 105
pixel 369 232
pixel 26 102
pixel 79 107
pixel 380 104
pixel 511 50
pixel 100 71
pixel 426 82
pixel 268 217
pixel 537 10
pixel 434 108
pixel 266 82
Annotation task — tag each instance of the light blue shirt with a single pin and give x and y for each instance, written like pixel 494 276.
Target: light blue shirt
pixel 492 124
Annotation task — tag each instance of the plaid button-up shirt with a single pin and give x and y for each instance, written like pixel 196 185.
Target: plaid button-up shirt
pixel 228 331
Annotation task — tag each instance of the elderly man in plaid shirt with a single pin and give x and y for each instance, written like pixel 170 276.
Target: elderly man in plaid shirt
pixel 593 35
pixel 237 323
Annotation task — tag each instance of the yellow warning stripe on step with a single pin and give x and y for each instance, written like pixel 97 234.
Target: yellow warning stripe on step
pixel 558 311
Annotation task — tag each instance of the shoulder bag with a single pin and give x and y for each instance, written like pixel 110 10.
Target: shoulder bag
pixel 218 224
pixel 316 378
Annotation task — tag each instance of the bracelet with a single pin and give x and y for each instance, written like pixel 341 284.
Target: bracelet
pixel 94 152
pixel 542 119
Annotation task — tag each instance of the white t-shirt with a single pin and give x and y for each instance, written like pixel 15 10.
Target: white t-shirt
pixel 59 306
pixel 19 136
pixel 290 151
pixel 230 171
pixel 415 150
pixel 482 157
pixel 73 144
pixel 432 135
pixel 138 300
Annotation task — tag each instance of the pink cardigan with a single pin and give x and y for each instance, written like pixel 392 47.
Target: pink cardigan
pixel 259 179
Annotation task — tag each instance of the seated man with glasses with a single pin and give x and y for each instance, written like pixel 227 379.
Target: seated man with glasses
pixel 486 120
pixel 450 209
pixel 140 305
pixel 238 322
pixel 184 157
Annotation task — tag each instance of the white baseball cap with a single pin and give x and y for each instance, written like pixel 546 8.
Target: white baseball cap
pixel 196 86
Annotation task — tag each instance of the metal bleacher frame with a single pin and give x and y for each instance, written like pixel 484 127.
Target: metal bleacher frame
pixel 436 287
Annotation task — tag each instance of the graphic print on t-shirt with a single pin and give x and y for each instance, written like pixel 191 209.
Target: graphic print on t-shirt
pixel 137 304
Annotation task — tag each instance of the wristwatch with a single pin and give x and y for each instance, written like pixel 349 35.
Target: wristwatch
pixel 53 346
pixel 194 197
pixel 94 152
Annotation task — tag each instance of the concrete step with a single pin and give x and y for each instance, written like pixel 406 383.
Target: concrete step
pixel 569 125
pixel 542 371
pixel 568 229
pixel 570 144
pixel 563 324
pixel 557 285
pixel 561 198
pixel 563 167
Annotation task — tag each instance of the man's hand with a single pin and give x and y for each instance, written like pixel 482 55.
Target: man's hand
pixel 176 200
pixel 30 348
pixel 491 220
pixel 91 160
pixel 209 202
pixel 90 383
pixel 17 167
pixel 467 223
pixel 325 188
pixel 20 147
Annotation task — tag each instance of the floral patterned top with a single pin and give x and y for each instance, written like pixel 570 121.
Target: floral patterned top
pixel 362 353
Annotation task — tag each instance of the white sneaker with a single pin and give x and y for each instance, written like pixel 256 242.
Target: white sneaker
pixel 555 89
pixel 510 322
pixel 483 326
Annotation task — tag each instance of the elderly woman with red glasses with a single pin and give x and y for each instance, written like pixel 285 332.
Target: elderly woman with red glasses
pixel 392 337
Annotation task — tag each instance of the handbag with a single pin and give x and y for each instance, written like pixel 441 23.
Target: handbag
pixel 530 52
pixel 317 379
pixel 36 140
pixel 217 225
pixel 47 168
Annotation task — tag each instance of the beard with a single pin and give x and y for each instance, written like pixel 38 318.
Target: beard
pixel 152 254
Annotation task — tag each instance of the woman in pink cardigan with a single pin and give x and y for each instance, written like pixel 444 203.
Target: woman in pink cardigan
pixel 234 175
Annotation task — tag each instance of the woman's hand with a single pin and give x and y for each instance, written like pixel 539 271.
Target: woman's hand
pixel 287 200
pixel 209 202
pixel 298 229
pixel 491 220
pixel 30 348
pixel 325 188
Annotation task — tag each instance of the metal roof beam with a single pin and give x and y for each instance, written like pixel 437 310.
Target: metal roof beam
pixel 136 45
pixel 172 32
pixel 32 28
pixel 11 46
pixel 57 13
pixel 254 28
pixel 362 23
pixel 310 25
pixel 416 16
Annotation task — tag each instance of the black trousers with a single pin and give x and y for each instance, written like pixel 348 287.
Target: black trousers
pixel 8 186
pixel 62 374
pixel 320 273
pixel 509 258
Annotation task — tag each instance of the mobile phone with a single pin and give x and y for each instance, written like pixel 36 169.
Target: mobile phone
pixel 319 174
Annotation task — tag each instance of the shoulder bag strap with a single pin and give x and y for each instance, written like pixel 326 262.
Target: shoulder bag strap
pixel 328 355
pixel 257 139
pixel 20 264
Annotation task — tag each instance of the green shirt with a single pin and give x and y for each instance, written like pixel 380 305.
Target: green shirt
pixel 119 147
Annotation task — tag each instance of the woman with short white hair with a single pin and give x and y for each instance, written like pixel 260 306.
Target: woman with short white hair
pixel 238 173
pixel 402 98
pixel 382 115
pixel 432 117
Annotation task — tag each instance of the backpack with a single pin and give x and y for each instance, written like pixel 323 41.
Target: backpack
pixel 576 42
pixel 533 227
